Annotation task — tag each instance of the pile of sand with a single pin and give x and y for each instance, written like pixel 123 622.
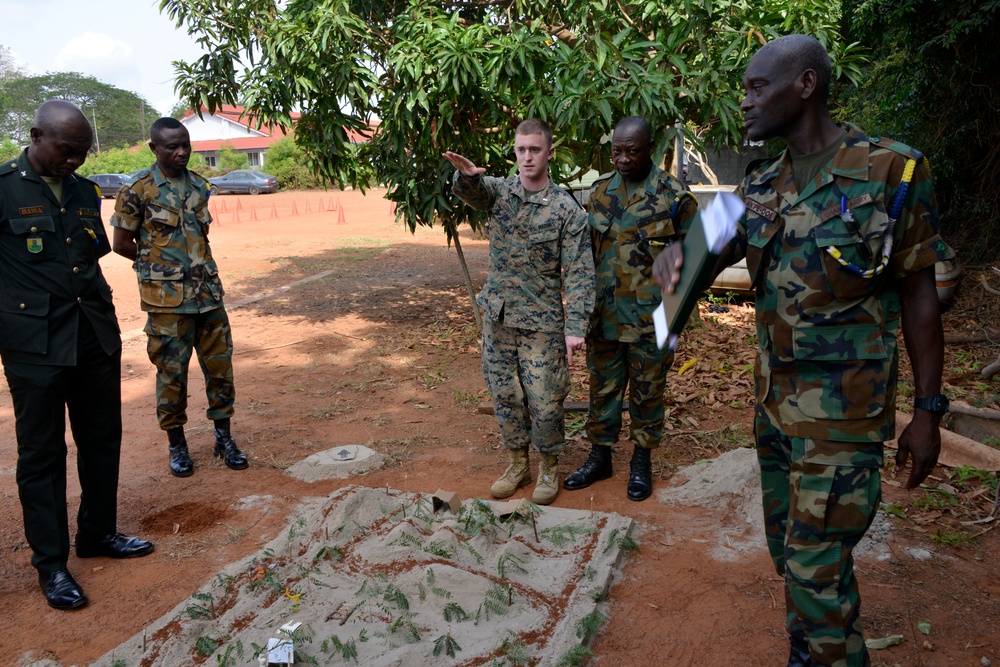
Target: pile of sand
pixel 729 486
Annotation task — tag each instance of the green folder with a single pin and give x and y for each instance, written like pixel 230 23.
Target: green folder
pixel 699 260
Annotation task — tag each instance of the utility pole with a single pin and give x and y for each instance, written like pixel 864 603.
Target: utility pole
pixel 94 116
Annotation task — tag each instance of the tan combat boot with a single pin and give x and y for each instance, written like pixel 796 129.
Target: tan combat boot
pixel 547 486
pixel 518 474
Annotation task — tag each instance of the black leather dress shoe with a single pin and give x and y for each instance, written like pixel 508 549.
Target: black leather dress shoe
pixel 596 467
pixel 112 546
pixel 799 654
pixel 61 590
pixel 640 477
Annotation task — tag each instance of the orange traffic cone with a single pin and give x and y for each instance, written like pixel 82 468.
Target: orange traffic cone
pixel 321 204
pixel 330 205
pixel 236 216
pixel 295 208
pixel 340 217
pixel 253 213
pixel 239 204
pixel 309 208
pixel 224 206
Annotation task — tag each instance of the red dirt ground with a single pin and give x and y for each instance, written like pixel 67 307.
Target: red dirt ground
pixel 383 352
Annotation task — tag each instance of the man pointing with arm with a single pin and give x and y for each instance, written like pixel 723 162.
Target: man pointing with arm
pixel 539 248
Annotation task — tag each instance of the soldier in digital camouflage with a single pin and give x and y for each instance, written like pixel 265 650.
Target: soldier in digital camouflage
pixel 841 237
pixel 161 223
pixel 539 250
pixel 635 212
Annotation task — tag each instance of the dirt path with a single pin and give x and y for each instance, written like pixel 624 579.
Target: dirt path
pixel 382 351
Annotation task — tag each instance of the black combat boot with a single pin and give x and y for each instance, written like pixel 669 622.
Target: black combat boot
pixel 799 655
pixel 225 447
pixel 596 467
pixel 181 464
pixel 640 476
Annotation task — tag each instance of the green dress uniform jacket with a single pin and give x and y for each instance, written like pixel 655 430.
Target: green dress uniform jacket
pixel 49 275
pixel 61 351
pixel 827 354
pixel 538 246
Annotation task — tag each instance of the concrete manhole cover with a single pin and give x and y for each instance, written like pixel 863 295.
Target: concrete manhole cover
pixel 337 463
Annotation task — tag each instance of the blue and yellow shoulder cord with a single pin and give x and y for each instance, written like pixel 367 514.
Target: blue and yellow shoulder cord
pixel 894 212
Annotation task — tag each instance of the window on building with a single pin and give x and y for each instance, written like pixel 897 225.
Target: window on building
pixel 210 161
pixel 254 159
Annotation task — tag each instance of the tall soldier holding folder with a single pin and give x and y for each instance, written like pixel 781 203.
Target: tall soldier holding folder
pixel 841 237
pixel 635 213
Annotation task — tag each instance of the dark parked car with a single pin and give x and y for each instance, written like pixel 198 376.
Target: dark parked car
pixel 109 183
pixel 244 180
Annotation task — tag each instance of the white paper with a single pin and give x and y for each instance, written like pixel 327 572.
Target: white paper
pixel 663 328
pixel 280 652
pixel 720 219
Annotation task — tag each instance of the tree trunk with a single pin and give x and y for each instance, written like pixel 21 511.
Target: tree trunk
pixel 468 278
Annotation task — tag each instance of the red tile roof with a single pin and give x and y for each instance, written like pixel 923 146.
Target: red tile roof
pixel 273 132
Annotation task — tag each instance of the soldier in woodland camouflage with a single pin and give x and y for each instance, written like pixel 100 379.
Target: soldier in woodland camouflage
pixel 841 237
pixel 539 249
pixel 161 222
pixel 635 212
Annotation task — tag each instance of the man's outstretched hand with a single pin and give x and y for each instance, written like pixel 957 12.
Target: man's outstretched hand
pixel 463 164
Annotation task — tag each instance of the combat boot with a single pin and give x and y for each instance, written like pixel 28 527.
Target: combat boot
pixel 596 467
pixel 640 476
pixel 225 447
pixel 547 486
pixel 181 464
pixel 516 475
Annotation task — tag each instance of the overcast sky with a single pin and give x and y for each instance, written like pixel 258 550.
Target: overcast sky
pixel 125 43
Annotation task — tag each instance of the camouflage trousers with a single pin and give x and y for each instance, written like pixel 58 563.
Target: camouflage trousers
pixel 640 366
pixel 528 379
pixel 171 338
pixel 816 510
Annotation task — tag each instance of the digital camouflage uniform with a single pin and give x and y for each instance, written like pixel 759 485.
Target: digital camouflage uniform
pixel 539 248
pixel 827 365
pixel 61 351
pixel 628 235
pixel 179 287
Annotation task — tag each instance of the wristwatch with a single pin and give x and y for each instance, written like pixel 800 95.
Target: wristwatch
pixel 936 405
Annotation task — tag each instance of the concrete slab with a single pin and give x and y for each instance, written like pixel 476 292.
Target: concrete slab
pixel 337 463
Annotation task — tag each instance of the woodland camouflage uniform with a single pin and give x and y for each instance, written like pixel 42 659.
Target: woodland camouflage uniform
pixel 628 235
pixel 179 287
pixel 827 364
pixel 539 250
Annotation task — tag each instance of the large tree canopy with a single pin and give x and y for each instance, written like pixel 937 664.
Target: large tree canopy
pixel 120 118
pixel 934 83
pixel 460 74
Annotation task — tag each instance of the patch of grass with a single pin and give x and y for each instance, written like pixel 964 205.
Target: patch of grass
pixel 396 453
pixel 950 537
pixel 465 399
pixel 340 406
